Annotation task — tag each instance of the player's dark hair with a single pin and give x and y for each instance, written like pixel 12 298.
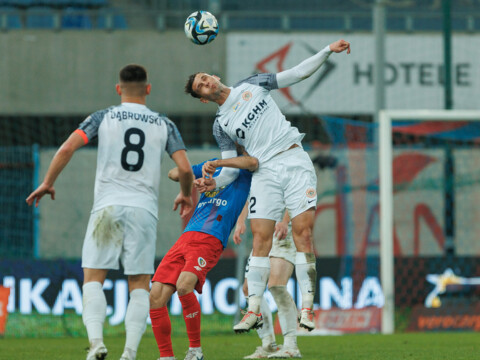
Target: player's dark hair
pixel 189 86
pixel 133 73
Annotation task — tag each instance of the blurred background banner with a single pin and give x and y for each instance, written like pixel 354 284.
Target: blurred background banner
pixel 60 61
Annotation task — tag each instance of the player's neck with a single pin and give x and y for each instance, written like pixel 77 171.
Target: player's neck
pixel 134 99
pixel 224 93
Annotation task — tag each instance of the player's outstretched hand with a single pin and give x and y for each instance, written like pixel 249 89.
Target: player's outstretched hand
pixel 239 230
pixel 39 192
pixel 186 204
pixel 281 230
pixel 203 185
pixel 340 45
pixel 208 168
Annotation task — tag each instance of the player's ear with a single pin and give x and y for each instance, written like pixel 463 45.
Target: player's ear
pixel 118 89
pixel 205 101
pixel 148 89
pixel 216 77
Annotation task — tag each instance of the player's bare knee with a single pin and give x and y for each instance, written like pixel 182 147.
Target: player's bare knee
pixel 184 290
pixel 156 300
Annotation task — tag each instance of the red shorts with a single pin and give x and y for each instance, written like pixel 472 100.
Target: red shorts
pixel 195 252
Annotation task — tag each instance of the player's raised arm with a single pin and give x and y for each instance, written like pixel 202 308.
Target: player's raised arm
pixel 307 67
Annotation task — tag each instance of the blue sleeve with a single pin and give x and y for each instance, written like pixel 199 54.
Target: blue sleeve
pixel 197 169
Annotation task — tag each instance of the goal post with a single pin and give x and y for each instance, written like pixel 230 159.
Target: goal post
pixel 386 191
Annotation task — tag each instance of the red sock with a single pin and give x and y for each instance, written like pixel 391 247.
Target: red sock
pixel 162 329
pixel 192 316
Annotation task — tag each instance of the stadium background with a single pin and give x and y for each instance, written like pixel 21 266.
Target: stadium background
pixel 60 61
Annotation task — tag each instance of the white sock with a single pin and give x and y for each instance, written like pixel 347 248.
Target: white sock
pixel 266 331
pixel 136 319
pixel 287 313
pixel 257 277
pixel 307 277
pixel 94 310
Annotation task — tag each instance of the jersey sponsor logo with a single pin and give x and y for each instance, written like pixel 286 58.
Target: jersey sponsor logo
pixel 252 118
pixel 311 192
pixel 215 202
pixel 192 315
pixel 198 268
pixel 202 262
pixel 235 108
pixel 246 95
pixel 213 193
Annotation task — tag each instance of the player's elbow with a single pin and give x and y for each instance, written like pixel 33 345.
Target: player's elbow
pixel 173 174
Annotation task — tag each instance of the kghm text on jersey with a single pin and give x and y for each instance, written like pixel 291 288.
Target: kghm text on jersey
pixel 252 118
pixel 128 115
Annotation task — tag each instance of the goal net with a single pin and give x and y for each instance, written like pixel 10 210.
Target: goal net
pixel 429 193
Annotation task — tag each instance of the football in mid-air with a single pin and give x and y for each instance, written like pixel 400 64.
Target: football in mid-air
pixel 201 27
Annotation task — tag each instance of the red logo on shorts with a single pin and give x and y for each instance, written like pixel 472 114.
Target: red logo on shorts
pixel 311 192
pixel 202 262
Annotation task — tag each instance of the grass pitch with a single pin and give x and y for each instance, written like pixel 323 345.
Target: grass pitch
pixel 411 346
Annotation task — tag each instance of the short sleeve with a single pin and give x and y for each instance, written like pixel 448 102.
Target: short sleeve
pixel 224 141
pixel 267 81
pixel 174 140
pixel 91 124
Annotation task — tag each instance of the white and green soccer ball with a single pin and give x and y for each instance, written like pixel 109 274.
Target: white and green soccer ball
pixel 201 27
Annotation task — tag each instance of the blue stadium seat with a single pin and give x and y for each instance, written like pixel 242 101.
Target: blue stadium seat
pixel 73 18
pixel 111 20
pixel 40 17
pixel 10 18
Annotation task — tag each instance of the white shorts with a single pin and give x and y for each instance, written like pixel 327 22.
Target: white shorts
pixel 284 249
pixel 121 233
pixel 287 181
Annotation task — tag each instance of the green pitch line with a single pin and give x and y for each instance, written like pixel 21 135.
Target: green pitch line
pixel 411 346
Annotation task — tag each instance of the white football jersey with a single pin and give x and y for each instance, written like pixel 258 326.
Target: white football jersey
pixel 131 142
pixel 251 117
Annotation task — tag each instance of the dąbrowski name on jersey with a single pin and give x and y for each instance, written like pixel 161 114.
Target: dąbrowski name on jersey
pixel 128 115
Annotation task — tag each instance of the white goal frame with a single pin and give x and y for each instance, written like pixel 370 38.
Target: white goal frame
pixel 386 195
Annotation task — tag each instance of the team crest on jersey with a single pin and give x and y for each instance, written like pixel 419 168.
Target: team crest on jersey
pixel 311 192
pixel 213 193
pixel 202 262
pixel 247 95
pixel 235 108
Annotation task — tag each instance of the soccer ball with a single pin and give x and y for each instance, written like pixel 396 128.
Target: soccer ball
pixel 201 27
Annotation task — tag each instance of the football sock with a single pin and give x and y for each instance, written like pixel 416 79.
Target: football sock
pixel 136 318
pixel 94 310
pixel 162 330
pixel 305 269
pixel 266 331
pixel 192 316
pixel 257 277
pixel 287 314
